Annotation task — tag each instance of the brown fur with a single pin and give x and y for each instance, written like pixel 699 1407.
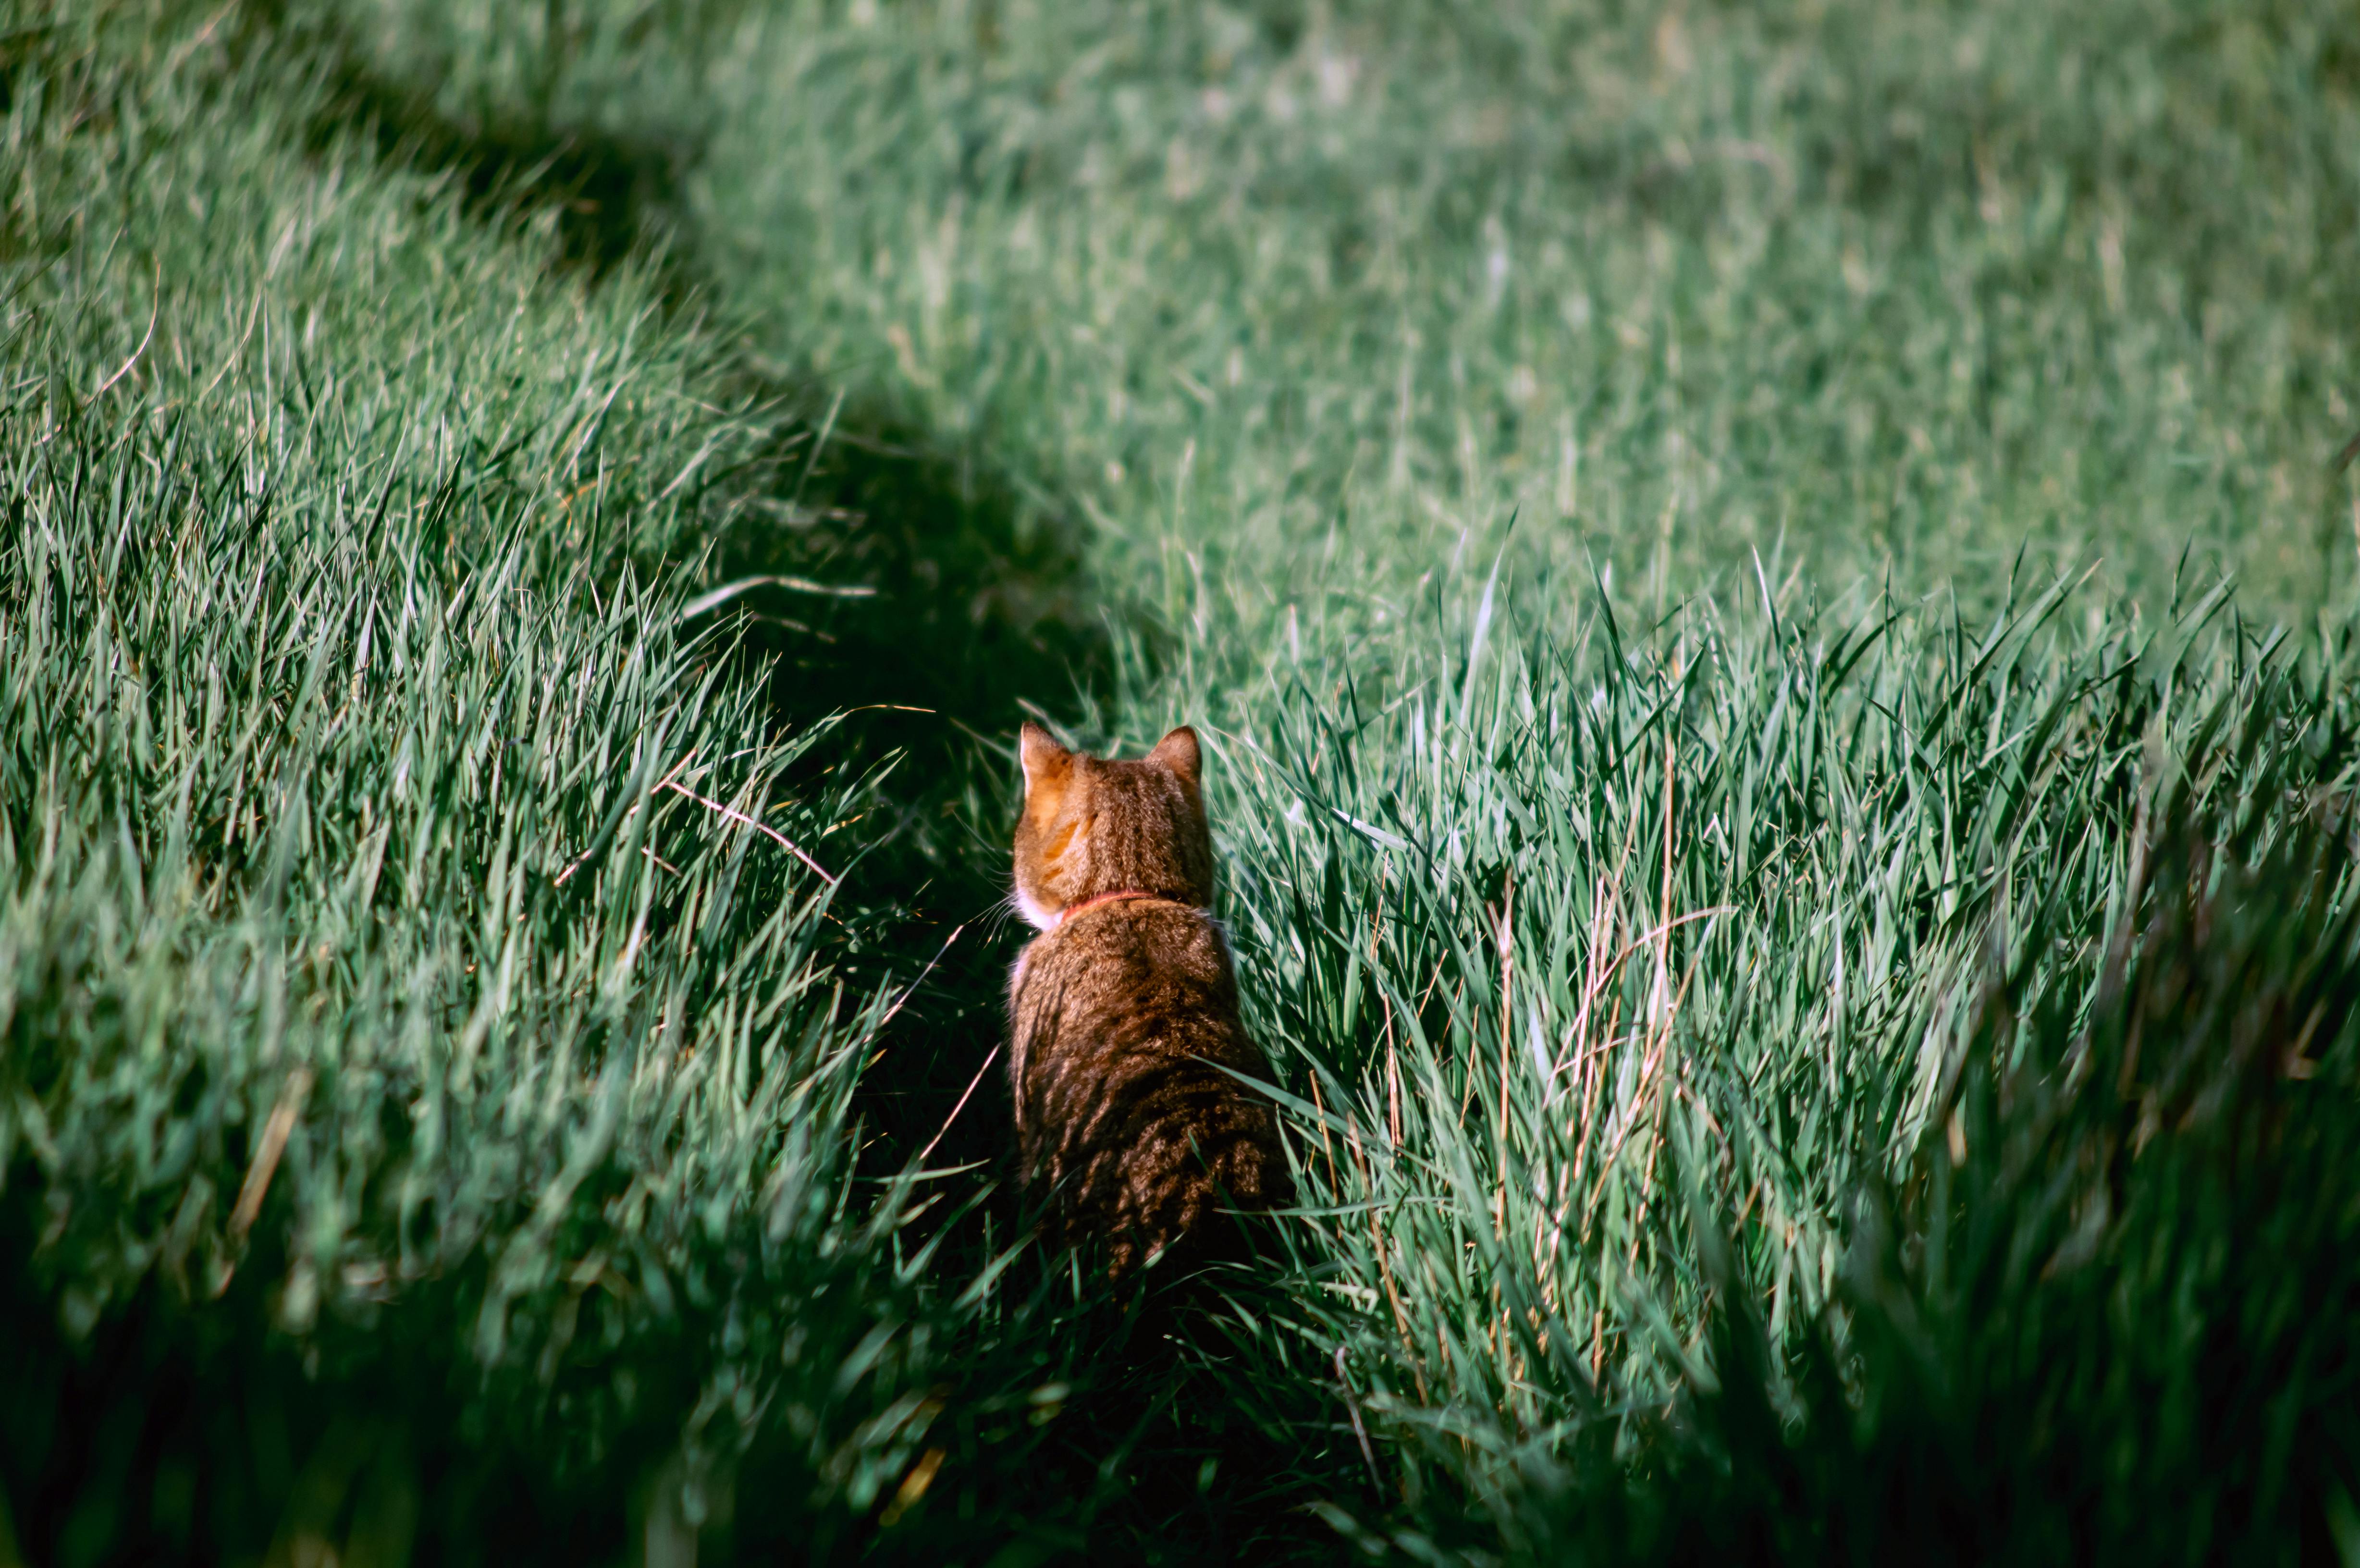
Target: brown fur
pixel 1123 1016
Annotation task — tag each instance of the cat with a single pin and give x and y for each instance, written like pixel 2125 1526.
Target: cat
pixel 1123 1014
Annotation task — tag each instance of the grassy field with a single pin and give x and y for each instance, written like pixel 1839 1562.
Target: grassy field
pixel 1775 626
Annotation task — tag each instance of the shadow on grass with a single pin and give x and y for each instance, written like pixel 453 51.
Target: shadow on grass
pixel 979 602
pixel 976 603
pixel 976 607
pixel 979 611
pixel 168 1427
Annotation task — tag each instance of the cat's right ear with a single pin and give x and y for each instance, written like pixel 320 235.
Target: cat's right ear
pixel 1045 762
pixel 1178 755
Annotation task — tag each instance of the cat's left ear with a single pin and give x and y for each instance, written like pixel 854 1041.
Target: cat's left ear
pixel 1176 754
pixel 1045 762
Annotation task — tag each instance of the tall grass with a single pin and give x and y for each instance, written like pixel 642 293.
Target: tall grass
pixel 1803 1030
pixel 1587 1111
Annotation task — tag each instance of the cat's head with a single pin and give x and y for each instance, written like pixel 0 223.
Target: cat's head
pixel 1093 826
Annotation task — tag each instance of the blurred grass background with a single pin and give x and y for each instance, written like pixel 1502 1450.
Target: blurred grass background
pixel 1902 288
pixel 1774 621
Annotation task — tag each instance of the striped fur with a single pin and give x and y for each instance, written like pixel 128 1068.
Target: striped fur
pixel 1123 1017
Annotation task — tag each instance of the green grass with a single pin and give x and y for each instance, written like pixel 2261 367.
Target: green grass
pixel 1583 1138
pixel 1775 639
pixel 416 977
pixel 1899 287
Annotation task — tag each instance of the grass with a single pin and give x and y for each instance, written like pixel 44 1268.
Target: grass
pixel 1588 1144
pixel 1775 642
pixel 1899 287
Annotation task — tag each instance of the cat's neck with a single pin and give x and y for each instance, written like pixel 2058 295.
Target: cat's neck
pixel 1070 910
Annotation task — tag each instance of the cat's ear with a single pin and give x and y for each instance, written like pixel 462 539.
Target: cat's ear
pixel 1176 753
pixel 1044 760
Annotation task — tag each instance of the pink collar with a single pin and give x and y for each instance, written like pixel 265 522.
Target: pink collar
pixel 1070 910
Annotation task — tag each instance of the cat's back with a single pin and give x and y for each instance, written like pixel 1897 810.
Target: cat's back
pixel 1130 1107
pixel 1130 971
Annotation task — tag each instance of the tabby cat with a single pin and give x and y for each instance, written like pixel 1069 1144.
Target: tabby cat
pixel 1123 1013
